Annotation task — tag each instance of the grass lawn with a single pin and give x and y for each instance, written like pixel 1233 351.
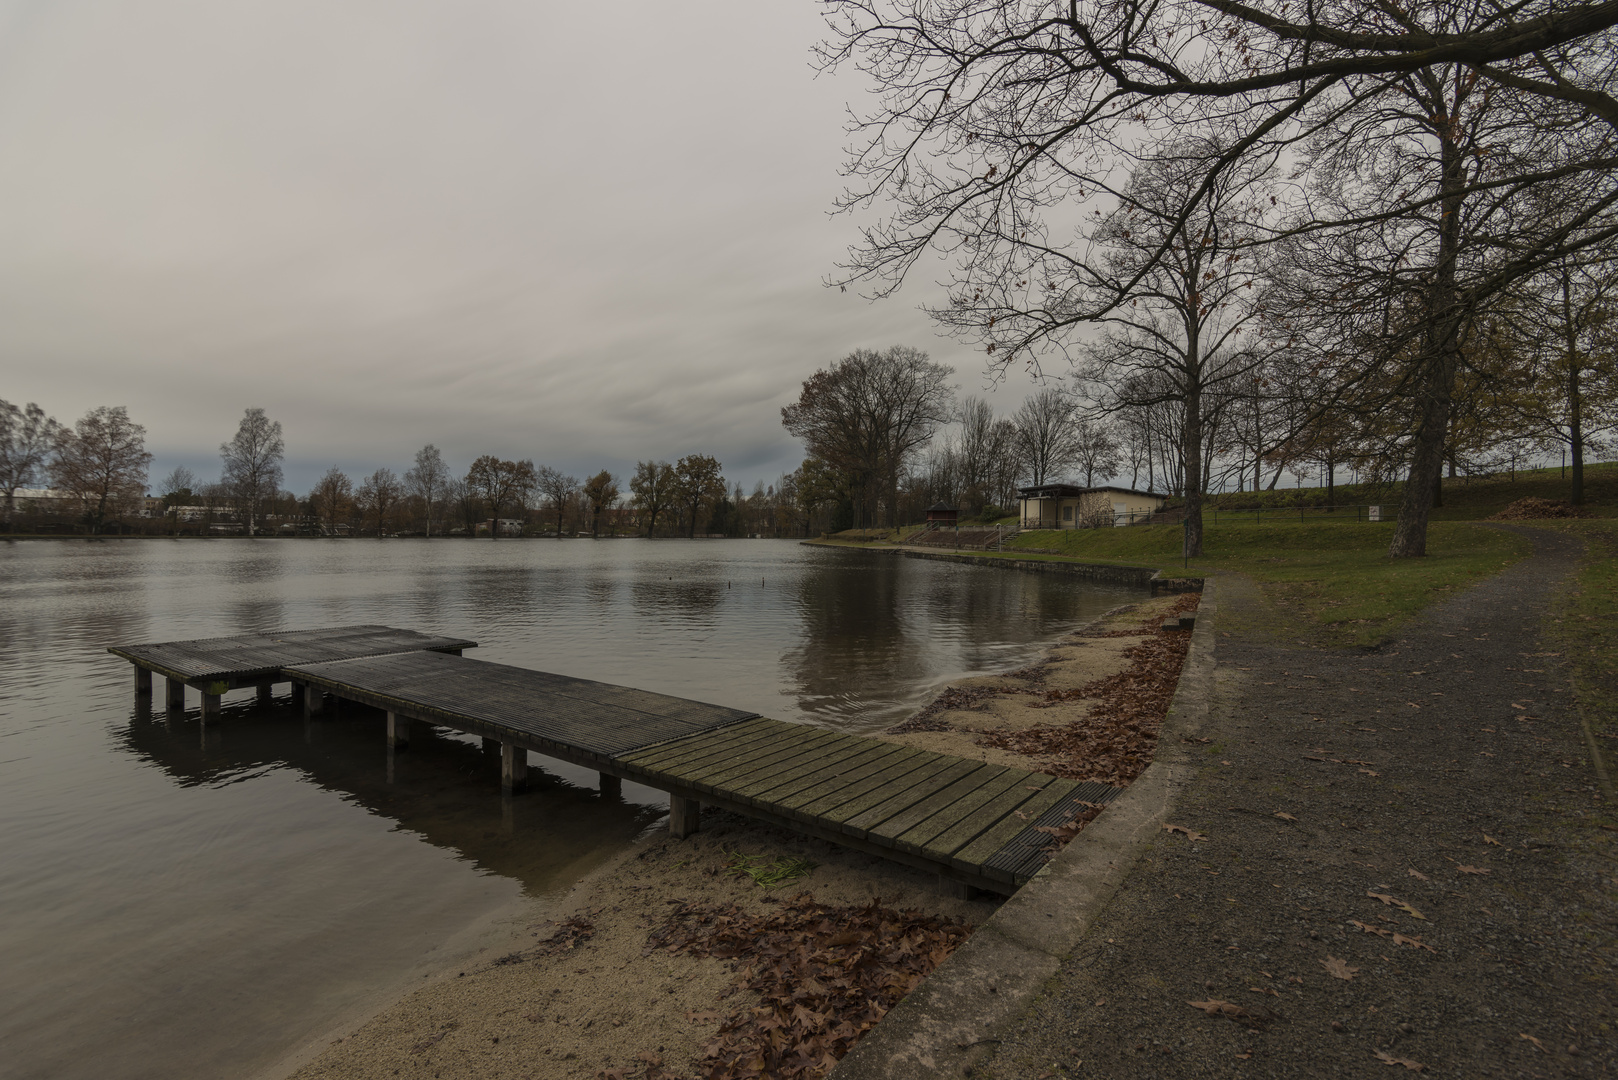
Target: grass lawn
pixel 1586 628
pixel 1328 582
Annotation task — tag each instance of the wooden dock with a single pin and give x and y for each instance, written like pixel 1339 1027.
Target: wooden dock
pixel 974 824
pixel 215 666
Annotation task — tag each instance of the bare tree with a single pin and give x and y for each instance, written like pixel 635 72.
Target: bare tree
pixel 428 479
pixel 332 499
pixel 1045 428
pixel 500 483
pixel 1095 450
pixel 378 497
pixel 102 461
pixel 602 492
pixel 177 488
pixel 653 488
pixel 558 488
pixel 252 460
pixel 27 437
pixel 698 482
pixel 868 414
pixel 990 116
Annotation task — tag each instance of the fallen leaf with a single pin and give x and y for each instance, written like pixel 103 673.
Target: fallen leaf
pixel 1389 1059
pixel 701 1017
pixel 1463 868
pixel 1487 839
pixel 1190 834
pixel 1418 875
pixel 1285 817
pixel 1339 969
pixel 1371 929
pixel 1263 990
pixel 1400 904
pixel 1413 942
pixel 1533 1040
pixel 1370 772
pixel 1222 1008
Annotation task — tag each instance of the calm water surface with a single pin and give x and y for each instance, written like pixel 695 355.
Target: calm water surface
pixel 187 903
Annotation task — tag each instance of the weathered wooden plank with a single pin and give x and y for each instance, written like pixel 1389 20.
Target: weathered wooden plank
pixel 861 824
pixel 900 776
pixel 787 750
pixel 1026 852
pixel 975 855
pixel 834 773
pixel 938 802
pixel 699 746
pixel 964 808
pixel 946 844
pixel 754 788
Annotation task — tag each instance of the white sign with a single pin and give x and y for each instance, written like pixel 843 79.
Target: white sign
pixel 1373 513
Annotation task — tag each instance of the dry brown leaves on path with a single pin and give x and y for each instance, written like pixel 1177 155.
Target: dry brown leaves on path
pixel 825 976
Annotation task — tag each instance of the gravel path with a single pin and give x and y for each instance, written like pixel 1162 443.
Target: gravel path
pixel 1418 819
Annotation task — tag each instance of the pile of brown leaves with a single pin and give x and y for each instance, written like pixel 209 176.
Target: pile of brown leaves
pixel 1115 741
pixel 1531 508
pixel 825 975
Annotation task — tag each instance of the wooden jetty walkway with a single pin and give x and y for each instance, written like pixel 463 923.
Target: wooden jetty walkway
pixel 973 823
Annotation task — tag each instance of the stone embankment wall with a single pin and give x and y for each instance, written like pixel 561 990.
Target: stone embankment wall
pixel 1143 576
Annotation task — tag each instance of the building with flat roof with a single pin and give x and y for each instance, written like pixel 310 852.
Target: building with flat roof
pixel 1070 506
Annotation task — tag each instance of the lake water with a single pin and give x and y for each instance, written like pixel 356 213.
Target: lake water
pixel 188 902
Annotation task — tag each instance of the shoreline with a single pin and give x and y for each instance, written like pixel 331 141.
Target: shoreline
pixel 525 1008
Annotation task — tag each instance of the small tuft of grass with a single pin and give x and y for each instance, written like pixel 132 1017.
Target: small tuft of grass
pixel 765 872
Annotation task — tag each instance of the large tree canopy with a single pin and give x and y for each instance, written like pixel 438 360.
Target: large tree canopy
pixel 1006 133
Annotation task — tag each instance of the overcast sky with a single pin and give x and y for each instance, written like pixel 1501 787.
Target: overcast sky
pixel 582 233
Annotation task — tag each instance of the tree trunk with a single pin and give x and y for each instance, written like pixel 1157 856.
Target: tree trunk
pixel 1191 450
pixel 1575 406
pixel 1443 355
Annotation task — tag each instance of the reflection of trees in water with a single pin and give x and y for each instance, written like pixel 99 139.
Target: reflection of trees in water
pixel 879 632
pixel 442 789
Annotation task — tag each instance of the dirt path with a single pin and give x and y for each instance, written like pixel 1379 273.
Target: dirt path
pixel 1392 863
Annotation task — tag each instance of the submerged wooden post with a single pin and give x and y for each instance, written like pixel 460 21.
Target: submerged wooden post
pixel 210 704
pixel 513 768
pixel 314 700
pixel 611 786
pixel 143 683
pixel 398 731
pixel 685 816
pixel 174 695
pixel 265 690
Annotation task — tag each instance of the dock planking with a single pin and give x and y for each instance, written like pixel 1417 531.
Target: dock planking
pixel 217 665
pixel 973 823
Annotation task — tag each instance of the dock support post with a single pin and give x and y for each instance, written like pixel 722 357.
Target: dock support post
pixel 265 690
pixel 174 695
pixel 491 746
pixel 314 700
pixel 398 731
pixel 513 768
pixel 210 706
pixel 143 684
pixel 953 888
pixel 611 786
pixel 298 694
pixel 685 816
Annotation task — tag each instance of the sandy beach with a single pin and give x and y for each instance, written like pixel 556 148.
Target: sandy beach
pixel 584 986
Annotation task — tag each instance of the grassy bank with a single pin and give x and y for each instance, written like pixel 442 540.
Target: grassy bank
pixel 1586 629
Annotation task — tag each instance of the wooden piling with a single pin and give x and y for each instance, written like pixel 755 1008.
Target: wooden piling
pixel 491 746
pixel 513 768
pixel 612 787
pixel 174 695
pixel 398 731
pixel 265 692
pixel 143 683
pixel 210 705
pixel 685 816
